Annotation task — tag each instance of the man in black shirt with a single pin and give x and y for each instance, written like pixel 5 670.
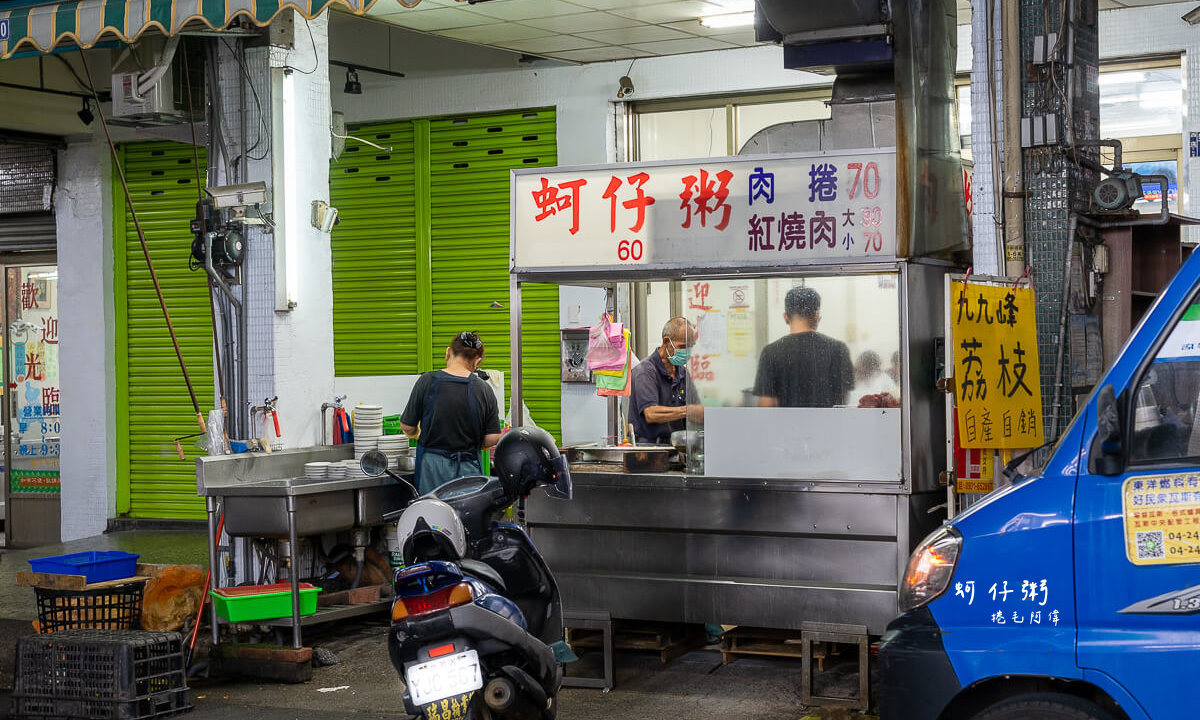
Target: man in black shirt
pixel 803 368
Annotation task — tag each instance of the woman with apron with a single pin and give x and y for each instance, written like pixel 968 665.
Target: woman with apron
pixel 453 414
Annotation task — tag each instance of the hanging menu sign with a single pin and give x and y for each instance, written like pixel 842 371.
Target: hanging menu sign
pixel 767 210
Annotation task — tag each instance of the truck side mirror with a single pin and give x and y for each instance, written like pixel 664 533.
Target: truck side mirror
pixel 1107 453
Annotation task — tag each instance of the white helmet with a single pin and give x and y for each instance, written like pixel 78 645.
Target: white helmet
pixel 429 529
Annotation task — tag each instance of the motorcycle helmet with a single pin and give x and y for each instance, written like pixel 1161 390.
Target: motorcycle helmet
pixel 429 529
pixel 527 457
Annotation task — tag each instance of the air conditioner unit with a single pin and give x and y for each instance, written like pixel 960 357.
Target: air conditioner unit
pixel 149 87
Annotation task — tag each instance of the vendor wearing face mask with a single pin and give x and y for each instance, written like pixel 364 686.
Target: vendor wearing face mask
pixel 658 389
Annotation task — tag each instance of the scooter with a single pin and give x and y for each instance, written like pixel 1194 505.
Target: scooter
pixel 476 627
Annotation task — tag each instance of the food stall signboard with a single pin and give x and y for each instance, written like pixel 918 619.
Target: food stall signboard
pixel 768 210
pixel 998 393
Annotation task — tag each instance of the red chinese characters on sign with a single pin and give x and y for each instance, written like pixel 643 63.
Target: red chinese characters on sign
pixel 550 199
pixel 29 292
pixel 50 330
pixel 703 195
pixel 640 202
pixel 35 368
pixel 698 297
pixel 700 368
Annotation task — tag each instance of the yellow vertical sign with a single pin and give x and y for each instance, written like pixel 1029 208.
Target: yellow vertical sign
pixel 996 375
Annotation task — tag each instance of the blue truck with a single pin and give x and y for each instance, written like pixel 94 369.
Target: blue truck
pixel 1073 594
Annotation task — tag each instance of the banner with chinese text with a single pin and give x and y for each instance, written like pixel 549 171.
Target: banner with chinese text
pixel 998 394
pixel 784 209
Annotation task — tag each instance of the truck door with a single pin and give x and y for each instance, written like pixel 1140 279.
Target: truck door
pixel 1137 525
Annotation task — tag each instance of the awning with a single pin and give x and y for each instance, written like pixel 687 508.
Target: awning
pixel 30 26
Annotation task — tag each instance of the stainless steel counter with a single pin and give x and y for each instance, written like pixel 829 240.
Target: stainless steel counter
pixel 282 487
pixel 672 548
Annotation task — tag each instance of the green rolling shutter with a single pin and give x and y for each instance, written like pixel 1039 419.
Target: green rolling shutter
pixel 153 404
pixel 374 255
pixel 427 225
pixel 469 161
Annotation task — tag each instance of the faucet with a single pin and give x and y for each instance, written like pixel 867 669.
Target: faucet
pixel 267 408
pixel 335 405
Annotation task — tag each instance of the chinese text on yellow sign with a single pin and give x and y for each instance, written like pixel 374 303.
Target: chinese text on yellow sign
pixel 1162 519
pixel 997 391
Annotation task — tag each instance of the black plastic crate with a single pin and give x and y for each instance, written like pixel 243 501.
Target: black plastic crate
pixel 153 706
pixel 118 607
pixel 100 675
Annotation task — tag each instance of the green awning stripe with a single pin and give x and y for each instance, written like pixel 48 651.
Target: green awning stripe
pixel 83 23
pixel 66 19
pixel 162 12
pixel 114 15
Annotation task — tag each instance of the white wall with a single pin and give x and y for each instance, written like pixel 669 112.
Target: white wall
pixel 86 349
pixel 303 350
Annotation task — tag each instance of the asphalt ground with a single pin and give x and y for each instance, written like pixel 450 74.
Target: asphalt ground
pixel 363 686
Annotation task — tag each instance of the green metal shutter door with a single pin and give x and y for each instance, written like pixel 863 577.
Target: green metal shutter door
pixel 153 405
pixel 470 159
pixel 374 255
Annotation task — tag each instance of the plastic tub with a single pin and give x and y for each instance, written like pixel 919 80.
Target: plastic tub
pixel 96 566
pixel 262 602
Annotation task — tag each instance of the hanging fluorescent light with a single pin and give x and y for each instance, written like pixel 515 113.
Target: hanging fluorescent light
pixel 728 20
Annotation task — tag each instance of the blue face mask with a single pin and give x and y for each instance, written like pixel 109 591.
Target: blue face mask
pixel 681 355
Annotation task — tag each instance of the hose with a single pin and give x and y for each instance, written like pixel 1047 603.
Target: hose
pixel 358 575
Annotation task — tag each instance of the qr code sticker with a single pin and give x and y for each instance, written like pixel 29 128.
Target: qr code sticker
pixel 1150 545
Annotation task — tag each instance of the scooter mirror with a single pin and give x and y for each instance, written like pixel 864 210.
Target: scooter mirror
pixel 373 463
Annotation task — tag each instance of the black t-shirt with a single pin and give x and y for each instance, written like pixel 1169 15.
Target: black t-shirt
pixel 805 370
pixel 451 426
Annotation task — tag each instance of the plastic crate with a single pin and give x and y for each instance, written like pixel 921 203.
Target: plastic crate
pixel 391 425
pixel 118 607
pixel 96 566
pixel 100 675
pixel 262 602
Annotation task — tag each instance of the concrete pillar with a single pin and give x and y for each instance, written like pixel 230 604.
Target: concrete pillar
pixel 303 328
pixel 86 348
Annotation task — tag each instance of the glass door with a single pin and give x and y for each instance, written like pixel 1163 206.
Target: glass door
pixel 32 408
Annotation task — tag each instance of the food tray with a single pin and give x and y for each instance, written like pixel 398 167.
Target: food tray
pixel 97 566
pixel 262 602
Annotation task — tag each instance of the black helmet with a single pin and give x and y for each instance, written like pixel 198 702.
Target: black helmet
pixel 527 457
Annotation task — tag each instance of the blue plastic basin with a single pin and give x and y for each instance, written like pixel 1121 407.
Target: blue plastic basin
pixel 95 566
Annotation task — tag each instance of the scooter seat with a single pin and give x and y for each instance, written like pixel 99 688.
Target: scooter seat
pixel 484 572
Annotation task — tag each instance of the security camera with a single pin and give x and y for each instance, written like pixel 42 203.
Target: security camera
pixel 1192 17
pixel 624 87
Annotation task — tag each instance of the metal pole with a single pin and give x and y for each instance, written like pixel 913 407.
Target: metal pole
pixel 1014 184
pixel 516 405
pixel 214 577
pixel 293 575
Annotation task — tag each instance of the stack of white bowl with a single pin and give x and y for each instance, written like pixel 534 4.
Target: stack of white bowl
pixel 368 428
pixel 394 446
pixel 353 469
pixel 316 470
pixel 336 470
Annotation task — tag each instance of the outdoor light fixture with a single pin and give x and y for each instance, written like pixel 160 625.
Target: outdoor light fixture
pixel 353 86
pixel 728 20
pixel 624 87
pixel 85 114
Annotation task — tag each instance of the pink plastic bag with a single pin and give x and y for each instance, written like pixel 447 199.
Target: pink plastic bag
pixel 605 352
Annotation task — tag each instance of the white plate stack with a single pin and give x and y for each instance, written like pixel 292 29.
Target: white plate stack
pixel 368 428
pixel 336 470
pixel 393 446
pixel 316 470
pixel 353 469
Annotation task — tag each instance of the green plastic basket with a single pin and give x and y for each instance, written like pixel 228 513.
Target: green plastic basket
pixel 391 425
pixel 262 602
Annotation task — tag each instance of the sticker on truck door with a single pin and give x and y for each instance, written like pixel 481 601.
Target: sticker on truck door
pixel 1162 519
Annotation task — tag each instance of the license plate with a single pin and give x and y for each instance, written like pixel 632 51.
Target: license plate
pixel 444 678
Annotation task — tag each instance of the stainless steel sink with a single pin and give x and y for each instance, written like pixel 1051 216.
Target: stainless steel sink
pixel 267 515
pixel 371 504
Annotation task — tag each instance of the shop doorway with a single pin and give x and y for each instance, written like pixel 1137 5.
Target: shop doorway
pixel 31 416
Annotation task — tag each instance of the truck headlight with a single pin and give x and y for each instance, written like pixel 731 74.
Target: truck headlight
pixel 930 568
